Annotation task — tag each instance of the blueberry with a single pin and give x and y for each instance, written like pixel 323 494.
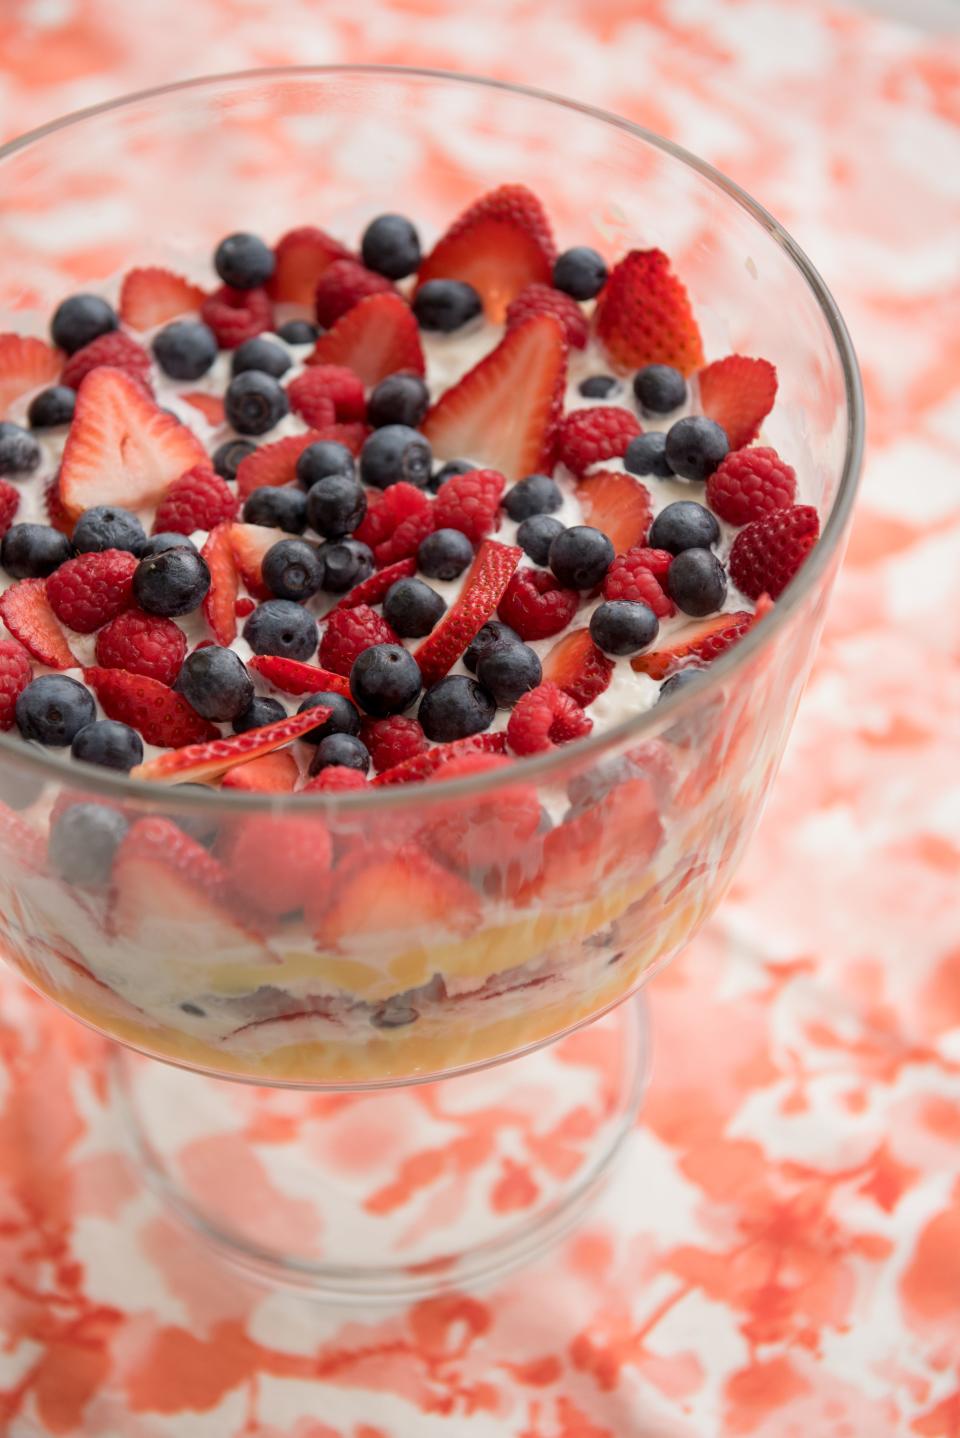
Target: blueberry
pixel 647 454
pixel 395 453
pixel 52 407
pixel 391 246
pixel 580 272
pixel 621 626
pixel 536 535
pixel 598 386
pixel 243 261
pixel 695 446
pixel 259 712
pixel 659 388
pixel 683 525
pixel 537 494
pixel 260 354
pixel 214 681
pixel 508 670
pixel 172 582
pixel 581 556
pixel 446 305
pixel 157 543
pixel 493 633
pixel 344 716
pixel 346 562
pixel 343 751
pixel 19 451
pixel 385 679
pixel 412 607
pixel 185 349
pixel 447 471
pixel 32 551
pixel 53 709
pixel 292 569
pixel 324 457
pixel 83 842
pixel 399 399
pixel 455 707
pixel 80 319
pixel 108 743
pixel 281 627
pixel 107 527
pixel 336 505
pixel 228 457
pixel 254 402
pixel 697 582
pixel 680 680
pixel 299 332
pixel 444 554
pixel 282 508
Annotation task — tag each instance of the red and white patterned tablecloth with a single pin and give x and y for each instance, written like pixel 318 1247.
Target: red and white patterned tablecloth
pixel 780 1257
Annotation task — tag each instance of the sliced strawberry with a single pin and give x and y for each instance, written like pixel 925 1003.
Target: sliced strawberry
pixel 643 315
pixel 275 773
pixel 697 643
pixel 197 763
pixel 53 504
pixel 159 714
pixel 377 892
pixel 499 245
pixel 738 393
pixel 26 364
pixel 618 504
pixel 273 464
pixel 375 338
pixel 503 414
pixel 209 405
pixel 122 448
pixel 220 601
pixel 371 591
pixel 250 543
pixel 423 766
pixel 290 676
pixel 302 255
pixel 351 434
pixel 485 582
pixel 578 667
pixel 26 611
pixel 150 296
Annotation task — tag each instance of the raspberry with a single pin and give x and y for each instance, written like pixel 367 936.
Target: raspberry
pixel 91 589
pixel 200 499
pixel 16 672
pixel 545 300
pixel 237 315
pixel 348 633
pixel 750 483
pixel 767 554
pixel 9 504
pixel 142 644
pixel 543 718
pixel 327 393
pixel 336 779
pixel 469 502
pixel 277 863
pixel 344 284
pixel 390 741
pixel 115 349
pixel 639 575
pixel 244 608
pixel 386 512
pixel 536 605
pixel 589 436
pixel 405 539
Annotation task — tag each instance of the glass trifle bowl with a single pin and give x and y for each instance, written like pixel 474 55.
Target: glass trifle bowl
pixel 452 925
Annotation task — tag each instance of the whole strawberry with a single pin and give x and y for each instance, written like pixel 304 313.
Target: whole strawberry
pixel 769 552
pixel 91 589
pixel 750 483
pixel 200 499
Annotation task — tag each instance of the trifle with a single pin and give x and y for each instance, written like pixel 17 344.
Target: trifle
pixel 336 565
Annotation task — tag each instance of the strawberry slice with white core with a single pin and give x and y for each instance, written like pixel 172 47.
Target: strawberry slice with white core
pixel 291 676
pixel 483 587
pixel 302 255
pixel 273 464
pixel 503 414
pixel 378 892
pixel 275 773
pixel 122 448
pixel 698 643
pixel 578 667
pixel 426 764
pixel 618 504
pixel 159 714
pixel 27 613
pixel 220 600
pixel 26 365
pixel 375 338
pixel 738 393
pixel 196 763
pixel 249 543
pixel 151 295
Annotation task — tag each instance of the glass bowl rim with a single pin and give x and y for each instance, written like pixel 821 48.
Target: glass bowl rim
pixel 92 779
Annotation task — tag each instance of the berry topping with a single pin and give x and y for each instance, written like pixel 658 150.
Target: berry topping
pixel 273 773
pixel 444 554
pixel 647 454
pixel 88 591
pixel 659 388
pixel 31 551
pixel 109 744
pixel 438 756
pixel 620 626
pixel 116 349
pixel 185 349
pixel 396 453
pixel 26 611
pixel 26 364
pixel 16 672
pixel 372 590
pixel 243 261
pixel 293 569
pixel 325 393
pixel 237 315
pixel 385 679
pixel 769 552
pixel 684 525
pixel 284 508
pixel 83 841
pixel 346 563
pixel 335 780
pixel 299 332
pixel 580 272
pixel 618 504
pixel 578 667
pixel 255 402
pixel 291 676
pixel 196 763
pixel 483 589
pixel 384 892
pixel 282 628
pixel 508 670
pixel 391 246
pixel 581 556
pixel 545 718
pixel 262 354
pixel 215 683
pixel 697 644
pixel 322 458
pixel 470 502
pixel 545 300
pixel 259 711
pixel 697 582
pixel 536 534
pixel 537 494
pixel 522 377
pixel 491 636
pixel 454 708
pixel 738 393
pixel 749 483
pixel 375 338
pixel 448 470
pixel 150 296
pixel 387 512
pixel 200 499
pixel 343 285
pixel 694 447
pixel 446 305
pixel 301 257
pixel 106 526
pixel 599 386
pixel 413 608
pixel 9 504
pixel 250 543
pixel 643 316
pixel 343 717
pixel 398 399
pixel 143 644
pixel 52 407
pixel 536 605
pixel 161 716
pixel 589 436
pixel 80 319
pixel 273 464
pixel 392 741
pixel 277 863
pixel 640 576
pixel 228 457
pixel 19 452
pixel 343 751
pixel 348 633
pixel 52 710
